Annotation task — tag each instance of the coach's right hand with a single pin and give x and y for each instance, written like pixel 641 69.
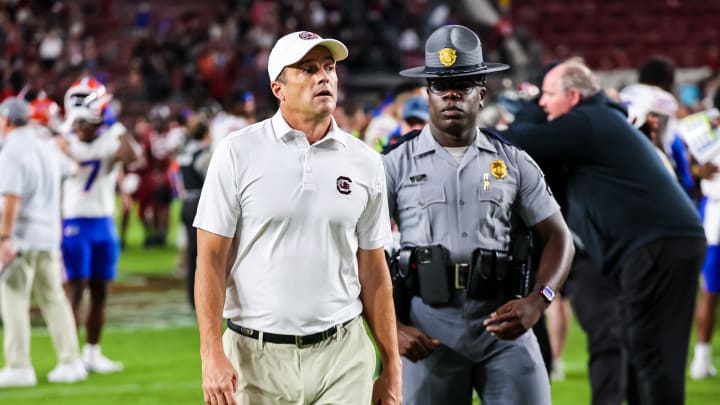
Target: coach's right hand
pixel 413 344
pixel 219 379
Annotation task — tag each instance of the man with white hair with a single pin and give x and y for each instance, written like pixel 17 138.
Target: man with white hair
pixel 29 249
pixel 641 230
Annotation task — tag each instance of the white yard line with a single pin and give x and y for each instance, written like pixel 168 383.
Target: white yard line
pixel 56 391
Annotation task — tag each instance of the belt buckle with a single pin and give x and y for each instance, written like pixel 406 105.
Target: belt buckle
pixel 458 267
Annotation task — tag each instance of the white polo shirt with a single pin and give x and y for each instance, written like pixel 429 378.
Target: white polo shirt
pixel 301 212
pixel 32 169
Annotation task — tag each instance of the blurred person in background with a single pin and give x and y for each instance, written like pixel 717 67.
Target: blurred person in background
pixel 641 230
pixel 46 114
pixel 193 158
pixel 415 115
pixel 242 114
pixel 30 264
pixel 354 118
pixel 702 366
pixel 387 120
pixel 90 243
pixel 155 192
pixel 651 110
pixel 659 72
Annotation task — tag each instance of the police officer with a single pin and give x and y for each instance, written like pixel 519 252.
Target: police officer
pixel 454 190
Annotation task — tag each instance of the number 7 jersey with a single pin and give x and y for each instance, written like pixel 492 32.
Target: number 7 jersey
pixel 91 192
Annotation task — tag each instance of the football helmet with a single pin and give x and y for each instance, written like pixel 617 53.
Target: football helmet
pixel 86 99
pixel 45 111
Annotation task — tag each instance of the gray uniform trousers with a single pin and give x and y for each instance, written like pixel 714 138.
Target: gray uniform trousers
pixel 501 371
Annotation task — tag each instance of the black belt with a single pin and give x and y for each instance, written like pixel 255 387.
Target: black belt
pixel 299 341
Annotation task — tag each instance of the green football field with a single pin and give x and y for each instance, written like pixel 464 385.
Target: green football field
pixel 152 331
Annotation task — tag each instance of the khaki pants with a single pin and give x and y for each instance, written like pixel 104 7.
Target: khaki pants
pixel 39 273
pixel 338 370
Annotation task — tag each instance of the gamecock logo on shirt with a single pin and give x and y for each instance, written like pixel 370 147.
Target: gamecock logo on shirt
pixel 343 185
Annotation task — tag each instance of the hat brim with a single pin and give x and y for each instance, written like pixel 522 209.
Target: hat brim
pixel 421 71
pixel 338 50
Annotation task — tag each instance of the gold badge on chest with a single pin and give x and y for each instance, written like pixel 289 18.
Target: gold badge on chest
pixel 498 168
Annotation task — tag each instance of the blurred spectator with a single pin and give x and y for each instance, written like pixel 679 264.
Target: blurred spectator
pixel 29 249
pixel 387 121
pixel 415 114
pixel 702 366
pixel 194 158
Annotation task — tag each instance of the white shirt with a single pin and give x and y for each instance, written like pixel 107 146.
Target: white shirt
pixel 224 124
pixel 711 187
pixel 32 169
pixel 301 212
pixel 91 192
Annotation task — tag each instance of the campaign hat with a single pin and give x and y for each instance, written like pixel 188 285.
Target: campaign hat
pixel 453 51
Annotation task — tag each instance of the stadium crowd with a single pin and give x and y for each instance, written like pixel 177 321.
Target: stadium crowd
pixel 168 81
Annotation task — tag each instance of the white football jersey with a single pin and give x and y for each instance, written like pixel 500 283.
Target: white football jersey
pixel 711 187
pixel 91 192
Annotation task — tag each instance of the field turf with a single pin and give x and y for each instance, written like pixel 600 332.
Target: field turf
pixel 152 331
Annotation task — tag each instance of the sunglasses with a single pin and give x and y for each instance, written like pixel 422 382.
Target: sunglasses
pixel 465 86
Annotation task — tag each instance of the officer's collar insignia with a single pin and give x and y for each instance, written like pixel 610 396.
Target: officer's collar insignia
pixel 498 169
pixel 448 56
pixel 343 185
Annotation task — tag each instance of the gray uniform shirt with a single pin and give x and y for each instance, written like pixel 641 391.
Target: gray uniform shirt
pixel 463 206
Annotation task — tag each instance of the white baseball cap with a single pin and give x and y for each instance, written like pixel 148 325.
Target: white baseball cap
pixel 292 47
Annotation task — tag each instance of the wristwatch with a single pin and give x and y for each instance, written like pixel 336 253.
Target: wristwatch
pixel 548 293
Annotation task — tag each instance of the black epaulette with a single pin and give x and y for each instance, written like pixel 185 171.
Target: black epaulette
pixel 495 134
pixel 395 142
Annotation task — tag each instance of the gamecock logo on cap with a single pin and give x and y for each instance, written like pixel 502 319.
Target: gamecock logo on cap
pixel 308 35
pixel 343 185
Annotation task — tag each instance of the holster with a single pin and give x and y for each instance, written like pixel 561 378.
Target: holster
pixel 498 275
pixel 521 264
pixel 404 281
pixel 491 276
pixel 434 282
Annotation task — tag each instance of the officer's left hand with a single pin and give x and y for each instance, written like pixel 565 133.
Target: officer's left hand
pixel 515 317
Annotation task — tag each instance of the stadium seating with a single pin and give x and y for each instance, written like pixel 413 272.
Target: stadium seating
pixel 617 33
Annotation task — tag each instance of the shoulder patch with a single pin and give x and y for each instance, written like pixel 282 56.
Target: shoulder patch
pixel 397 141
pixel 493 133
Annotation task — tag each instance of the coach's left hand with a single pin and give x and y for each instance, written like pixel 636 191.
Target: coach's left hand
pixel 219 380
pixel 515 317
pixel 387 389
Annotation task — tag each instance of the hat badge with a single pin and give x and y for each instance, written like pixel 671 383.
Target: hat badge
pixel 448 56
pixel 498 169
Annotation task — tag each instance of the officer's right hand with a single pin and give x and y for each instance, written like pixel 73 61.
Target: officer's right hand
pixel 219 380
pixel 413 344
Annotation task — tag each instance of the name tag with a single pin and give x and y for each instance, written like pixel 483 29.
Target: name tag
pixel 418 178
